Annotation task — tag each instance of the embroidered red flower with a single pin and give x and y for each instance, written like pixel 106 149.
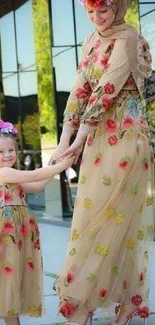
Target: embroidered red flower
pixel 87 87
pixel 81 93
pixel 125 163
pixel 103 292
pixel 95 57
pixel 20 244
pixel 90 141
pixel 21 192
pixel 86 62
pixel 67 309
pixel 30 265
pixel 97 44
pixel 75 123
pixel 110 126
pixel 8 197
pixel 70 277
pixel 109 88
pixel 32 223
pixel 136 300
pixel 113 140
pixel 24 230
pixel 7 270
pixel 98 159
pixel 104 60
pixel 8 227
pixel 145 164
pixel 143 312
pixel 128 122
pixel 107 102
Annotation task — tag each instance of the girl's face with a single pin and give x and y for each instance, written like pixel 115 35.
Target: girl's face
pixel 8 154
pixel 102 18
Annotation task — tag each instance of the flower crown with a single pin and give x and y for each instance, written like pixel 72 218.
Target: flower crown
pixel 96 3
pixel 8 128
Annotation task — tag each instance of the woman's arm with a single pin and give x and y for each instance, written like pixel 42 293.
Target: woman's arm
pixel 102 97
pixel 11 175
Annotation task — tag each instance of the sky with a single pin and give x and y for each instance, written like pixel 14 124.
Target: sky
pixel 63 35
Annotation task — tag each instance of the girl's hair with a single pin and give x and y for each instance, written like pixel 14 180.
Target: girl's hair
pixel 6 136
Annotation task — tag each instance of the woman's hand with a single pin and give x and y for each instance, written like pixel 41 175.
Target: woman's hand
pixel 60 149
pixel 75 149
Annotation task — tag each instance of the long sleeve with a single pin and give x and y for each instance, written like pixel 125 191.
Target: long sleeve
pixel 109 86
pixel 79 96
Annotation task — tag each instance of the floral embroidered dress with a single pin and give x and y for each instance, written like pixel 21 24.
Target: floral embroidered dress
pixel 108 252
pixel 20 256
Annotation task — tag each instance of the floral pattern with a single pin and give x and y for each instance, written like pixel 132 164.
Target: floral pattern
pixel 113 216
pixel 19 250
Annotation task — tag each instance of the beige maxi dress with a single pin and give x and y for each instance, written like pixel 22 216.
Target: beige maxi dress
pixel 112 229
pixel 20 256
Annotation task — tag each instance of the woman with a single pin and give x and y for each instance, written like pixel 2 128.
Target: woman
pixel 107 257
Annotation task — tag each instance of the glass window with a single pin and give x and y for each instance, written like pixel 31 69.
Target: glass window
pixel 83 25
pixel 148 26
pixel 65 68
pixel 8 48
pixel 10 84
pixel 62 19
pixel 25 37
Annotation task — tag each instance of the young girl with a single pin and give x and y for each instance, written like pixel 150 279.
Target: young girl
pixel 20 254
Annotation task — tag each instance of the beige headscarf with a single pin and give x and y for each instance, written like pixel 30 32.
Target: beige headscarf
pixel 137 47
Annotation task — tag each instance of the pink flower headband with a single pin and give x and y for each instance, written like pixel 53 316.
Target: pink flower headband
pixel 96 3
pixel 8 128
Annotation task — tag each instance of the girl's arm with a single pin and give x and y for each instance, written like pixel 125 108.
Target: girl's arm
pixel 35 186
pixel 11 175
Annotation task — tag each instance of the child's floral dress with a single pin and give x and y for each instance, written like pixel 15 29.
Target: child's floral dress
pixel 20 256
pixel 108 252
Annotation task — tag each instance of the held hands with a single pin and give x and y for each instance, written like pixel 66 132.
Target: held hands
pixel 75 149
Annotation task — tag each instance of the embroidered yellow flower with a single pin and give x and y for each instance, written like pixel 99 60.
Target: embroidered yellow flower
pixel 150 229
pixel 72 107
pixel 75 235
pixel 102 250
pixel 149 201
pixel 87 203
pixel 129 134
pixel 130 244
pixel 119 218
pixel 99 132
pixel 116 269
pixel 140 235
pixel 11 313
pixel 110 213
pixel 97 74
pixel 6 240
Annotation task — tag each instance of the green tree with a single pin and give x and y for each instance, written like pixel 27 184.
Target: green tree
pixel 44 66
pixel 132 16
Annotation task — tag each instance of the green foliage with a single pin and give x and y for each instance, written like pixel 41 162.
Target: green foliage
pixel 44 66
pixel 132 16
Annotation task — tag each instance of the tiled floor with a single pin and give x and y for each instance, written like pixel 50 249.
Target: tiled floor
pixel 54 243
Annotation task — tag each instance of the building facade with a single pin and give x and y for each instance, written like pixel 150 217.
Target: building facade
pixel 40 47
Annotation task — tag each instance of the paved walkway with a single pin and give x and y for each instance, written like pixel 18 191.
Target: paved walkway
pixel 54 244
